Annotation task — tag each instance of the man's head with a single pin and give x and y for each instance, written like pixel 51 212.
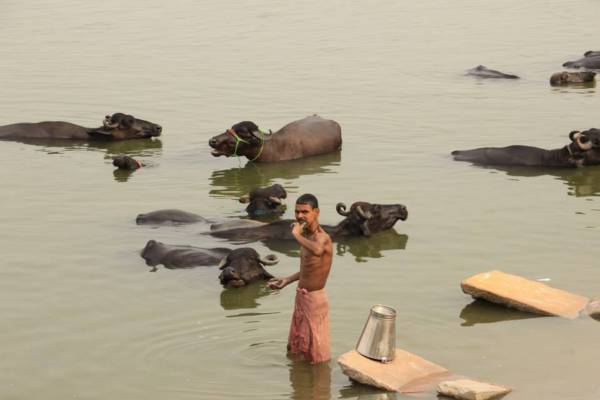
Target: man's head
pixel 307 209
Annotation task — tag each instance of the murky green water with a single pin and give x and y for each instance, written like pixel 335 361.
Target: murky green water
pixel 83 318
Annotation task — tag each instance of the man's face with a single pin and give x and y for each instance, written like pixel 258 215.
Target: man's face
pixel 305 213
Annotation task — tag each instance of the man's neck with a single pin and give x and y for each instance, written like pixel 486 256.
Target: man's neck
pixel 312 228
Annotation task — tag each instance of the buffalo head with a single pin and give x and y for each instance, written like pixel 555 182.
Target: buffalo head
pixel 365 218
pixel 126 162
pixel 265 201
pixel 243 266
pixel 121 126
pixel 565 78
pixel 242 139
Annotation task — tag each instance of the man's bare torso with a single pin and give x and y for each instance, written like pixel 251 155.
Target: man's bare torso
pixel 314 269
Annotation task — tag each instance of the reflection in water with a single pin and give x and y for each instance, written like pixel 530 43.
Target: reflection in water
pixel 309 381
pixel 244 297
pixel 482 312
pixel 136 147
pixel 371 247
pixel 360 247
pixel 122 175
pixel 235 182
pixel 580 182
pixel 364 392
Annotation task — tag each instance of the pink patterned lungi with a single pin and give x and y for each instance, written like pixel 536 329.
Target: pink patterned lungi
pixel 309 331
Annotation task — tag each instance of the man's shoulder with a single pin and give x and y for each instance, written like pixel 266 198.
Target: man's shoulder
pixel 323 236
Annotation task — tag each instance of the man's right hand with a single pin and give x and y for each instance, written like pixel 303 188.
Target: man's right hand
pixel 277 283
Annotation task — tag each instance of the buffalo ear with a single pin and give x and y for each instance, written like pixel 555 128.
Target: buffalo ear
pixel 100 134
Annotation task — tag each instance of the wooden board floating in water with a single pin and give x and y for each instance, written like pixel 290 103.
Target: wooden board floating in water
pixel 524 294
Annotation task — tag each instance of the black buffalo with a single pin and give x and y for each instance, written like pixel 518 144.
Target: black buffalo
pixel 481 71
pixel 243 266
pixel 126 163
pixel 571 155
pixel 265 202
pixel 362 219
pixel 590 60
pixel 118 126
pixel 168 216
pixel 173 256
pixel 572 78
pixel 238 266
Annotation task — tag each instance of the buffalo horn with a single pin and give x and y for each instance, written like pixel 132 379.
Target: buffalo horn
pixel 223 262
pixel 572 135
pixel 271 259
pixel 245 198
pixel 341 209
pixel 363 214
pixel 365 229
pixel 275 200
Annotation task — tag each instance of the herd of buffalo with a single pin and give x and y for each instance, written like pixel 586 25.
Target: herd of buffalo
pixel 307 137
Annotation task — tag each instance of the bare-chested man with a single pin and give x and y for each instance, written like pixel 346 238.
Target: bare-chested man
pixel 309 331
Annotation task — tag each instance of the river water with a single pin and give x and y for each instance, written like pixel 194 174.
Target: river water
pixel 83 318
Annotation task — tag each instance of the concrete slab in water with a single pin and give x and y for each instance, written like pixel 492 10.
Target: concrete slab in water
pixel 397 375
pixel 467 389
pixel 524 294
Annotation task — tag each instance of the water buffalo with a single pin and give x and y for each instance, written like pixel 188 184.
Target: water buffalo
pixel 590 60
pixel 362 219
pixel 571 155
pixel 243 266
pixel 567 78
pixel 265 202
pixel 127 163
pixel 592 157
pixel 118 126
pixel 156 253
pixel 483 72
pixel 168 216
pixel 307 137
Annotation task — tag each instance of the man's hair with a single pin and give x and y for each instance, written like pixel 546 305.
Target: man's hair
pixel 309 199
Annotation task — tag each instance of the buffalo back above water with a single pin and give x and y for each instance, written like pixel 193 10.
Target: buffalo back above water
pixel 307 137
pixel 117 126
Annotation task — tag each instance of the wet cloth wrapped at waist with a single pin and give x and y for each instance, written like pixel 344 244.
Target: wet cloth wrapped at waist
pixel 309 330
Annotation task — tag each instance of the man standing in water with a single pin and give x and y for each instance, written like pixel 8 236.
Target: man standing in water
pixel 309 331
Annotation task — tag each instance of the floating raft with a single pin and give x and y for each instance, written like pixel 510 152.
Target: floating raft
pixel 524 294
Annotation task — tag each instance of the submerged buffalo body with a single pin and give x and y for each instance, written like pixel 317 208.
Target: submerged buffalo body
pixel 168 216
pixel 590 60
pixel 483 72
pixel 569 78
pixel 307 137
pixel 157 253
pixel 243 266
pixel 238 266
pixel 264 202
pixel 362 219
pixel 571 155
pixel 118 126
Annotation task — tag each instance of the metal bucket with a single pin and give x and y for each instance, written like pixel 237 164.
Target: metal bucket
pixel 378 338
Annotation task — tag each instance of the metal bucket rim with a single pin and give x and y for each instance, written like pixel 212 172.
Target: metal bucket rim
pixel 391 313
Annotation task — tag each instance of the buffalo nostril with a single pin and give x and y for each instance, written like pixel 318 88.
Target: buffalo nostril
pixel 158 128
pixel 212 142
